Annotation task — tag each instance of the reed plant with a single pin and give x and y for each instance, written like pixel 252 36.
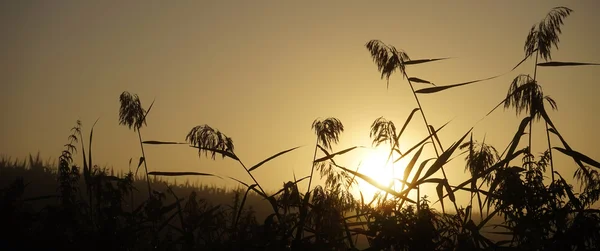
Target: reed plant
pixel 99 212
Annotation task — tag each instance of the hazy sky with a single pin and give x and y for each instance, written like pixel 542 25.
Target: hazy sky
pixel 262 71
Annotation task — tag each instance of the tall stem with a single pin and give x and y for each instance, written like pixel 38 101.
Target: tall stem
pixel 550 152
pixel 252 176
pixel 430 132
pixel 537 54
pixel 424 118
pixel 547 132
pixel 145 166
pixel 303 208
pixel 312 170
pixel 418 198
pixel 531 108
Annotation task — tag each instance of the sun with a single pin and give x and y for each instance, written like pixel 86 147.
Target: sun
pixel 373 163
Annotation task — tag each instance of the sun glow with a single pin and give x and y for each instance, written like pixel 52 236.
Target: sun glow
pixel 373 163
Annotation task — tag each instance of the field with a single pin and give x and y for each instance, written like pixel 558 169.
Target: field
pixel 517 200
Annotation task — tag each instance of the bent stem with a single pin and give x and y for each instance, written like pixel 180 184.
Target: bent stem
pixel 145 165
pixel 312 170
pixel 531 108
pixel 546 122
pixel 252 176
pixel 430 134
pixel 550 152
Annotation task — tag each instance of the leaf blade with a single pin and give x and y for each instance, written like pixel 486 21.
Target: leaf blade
pixel 272 157
pixel 330 156
pixel 558 64
pixel 158 142
pixel 439 162
pixel 171 174
pixel 376 184
pixel 419 80
pixel 580 156
pixel 421 61
pixel 441 88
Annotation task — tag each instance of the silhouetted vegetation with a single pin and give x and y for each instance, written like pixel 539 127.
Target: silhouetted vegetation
pixel 65 207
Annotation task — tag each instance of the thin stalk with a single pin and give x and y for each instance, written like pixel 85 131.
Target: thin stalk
pixel 430 132
pixel 302 220
pixel 550 152
pixel 393 179
pixel 537 54
pixel 393 174
pixel 424 118
pixel 252 176
pixel 530 151
pixel 547 132
pixel 531 108
pixel 145 166
pixel 131 194
pixel 312 170
pixel 87 180
pixel 418 198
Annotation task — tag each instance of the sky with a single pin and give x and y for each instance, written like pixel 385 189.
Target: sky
pixel 262 71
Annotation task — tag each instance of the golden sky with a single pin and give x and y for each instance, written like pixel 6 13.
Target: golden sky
pixel 262 71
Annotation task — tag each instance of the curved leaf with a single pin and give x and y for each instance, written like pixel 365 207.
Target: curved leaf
pixel 148 111
pixel 239 212
pixel 90 166
pixel 420 143
pixel 376 184
pixel 418 173
pixel 442 160
pixel 255 190
pixel 420 61
pixel 496 166
pixel 579 156
pixel 449 190
pixel 565 144
pixel 400 134
pixel 418 80
pixel 437 139
pixel 412 162
pixel 441 88
pixel 142 159
pixel 440 192
pixel 272 157
pixel 412 185
pixel 407 121
pixel 323 149
pixel 524 59
pixel 520 132
pixel 330 156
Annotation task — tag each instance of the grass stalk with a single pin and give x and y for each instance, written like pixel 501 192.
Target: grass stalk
pixel 252 176
pixel 430 134
pixel 312 170
pixel 145 165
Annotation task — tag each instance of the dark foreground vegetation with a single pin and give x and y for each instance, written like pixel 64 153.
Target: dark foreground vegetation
pixel 94 209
